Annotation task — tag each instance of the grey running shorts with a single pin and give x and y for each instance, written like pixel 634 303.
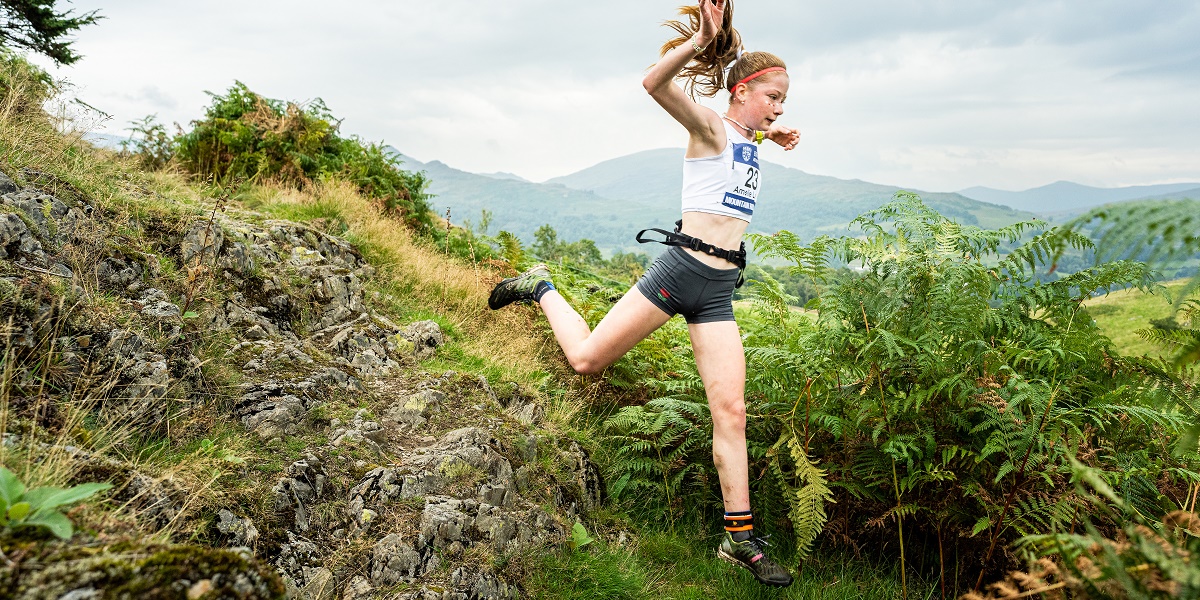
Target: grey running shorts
pixel 678 283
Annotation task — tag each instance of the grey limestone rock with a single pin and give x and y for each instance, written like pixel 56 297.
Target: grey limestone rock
pixel 7 185
pixel 426 336
pixel 366 347
pixel 272 417
pixel 119 273
pixel 150 376
pixel 359 588
pixel 143 374
pixel 304 484
pixel 485 587
pixel 495 525
pixel 161 310
pixel 82 594
pixel 361 431
pixel 524 410
pixel 443 521
pixel 240 531
pixel 394 560
pixel 589 486
pixel 322 585
pixel 413 411
pixel 202 239
pixel 462 450
pixel 496 495
pixel 156 502
pixel 52 218
pixel 256 332
pixel 298 559
pixel 17 240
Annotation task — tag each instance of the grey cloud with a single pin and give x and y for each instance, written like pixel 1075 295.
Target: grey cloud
pixel 155 97
pixel 1121 35
pixel 827 23
pixel 1004 75
pixel 1186 69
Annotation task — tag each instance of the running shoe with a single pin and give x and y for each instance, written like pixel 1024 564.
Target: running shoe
pixel 518 289
pixel 749 555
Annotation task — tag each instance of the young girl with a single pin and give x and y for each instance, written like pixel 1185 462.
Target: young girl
pixel 696 276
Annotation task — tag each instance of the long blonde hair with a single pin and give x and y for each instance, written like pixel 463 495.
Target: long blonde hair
pixel 711 70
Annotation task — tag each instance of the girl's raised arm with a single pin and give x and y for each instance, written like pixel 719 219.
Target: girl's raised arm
pixel 660 80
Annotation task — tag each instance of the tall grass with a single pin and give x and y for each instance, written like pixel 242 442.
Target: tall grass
pixel 681 566
pixel 422 278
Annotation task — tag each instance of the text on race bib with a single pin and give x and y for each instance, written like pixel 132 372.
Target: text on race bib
pixel 742 191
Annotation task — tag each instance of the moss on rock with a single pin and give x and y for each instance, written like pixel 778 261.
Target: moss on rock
pixel 152 573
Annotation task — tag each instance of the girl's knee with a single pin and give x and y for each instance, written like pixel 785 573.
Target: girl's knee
pixel 585 366
pixel 729 411
pixel 586 363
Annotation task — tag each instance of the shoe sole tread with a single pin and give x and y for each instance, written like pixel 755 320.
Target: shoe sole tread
pixel 737 563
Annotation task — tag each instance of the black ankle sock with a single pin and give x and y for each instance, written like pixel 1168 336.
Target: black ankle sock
pixel 740 525
pixel 543 286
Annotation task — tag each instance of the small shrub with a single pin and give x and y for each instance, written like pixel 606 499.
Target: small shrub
pixel 247 137
pixel 38 507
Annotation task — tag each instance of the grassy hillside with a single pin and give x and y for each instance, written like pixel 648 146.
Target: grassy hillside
pixel 245 365
pixel 235 468
pixel 1122 313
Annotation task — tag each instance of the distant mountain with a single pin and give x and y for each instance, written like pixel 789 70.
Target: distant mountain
pixel 791 199
pixel 1064 196
pixel 503 175
pixel 106 140
pixel 1192 194
pixel 520 207
pixel 611 201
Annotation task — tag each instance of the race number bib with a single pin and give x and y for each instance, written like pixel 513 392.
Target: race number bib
pixel 742 192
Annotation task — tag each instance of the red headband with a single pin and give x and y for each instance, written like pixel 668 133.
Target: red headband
pixel 754 75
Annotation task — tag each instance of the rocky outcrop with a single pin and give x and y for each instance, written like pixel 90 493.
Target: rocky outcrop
pixel 403 473
pixel 34 225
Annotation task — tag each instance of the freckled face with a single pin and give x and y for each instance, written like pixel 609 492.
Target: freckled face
pixel 764 98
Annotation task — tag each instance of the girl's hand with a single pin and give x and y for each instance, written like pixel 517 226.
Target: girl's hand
pixel 712 17
pixel 784 136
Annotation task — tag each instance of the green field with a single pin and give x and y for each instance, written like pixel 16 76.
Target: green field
pixel 1122 314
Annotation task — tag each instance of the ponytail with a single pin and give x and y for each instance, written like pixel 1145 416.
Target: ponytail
pixel 722 65
pixel 705 75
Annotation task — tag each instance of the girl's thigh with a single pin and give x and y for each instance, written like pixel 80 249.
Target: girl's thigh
pixel 720 359
pixel 630 321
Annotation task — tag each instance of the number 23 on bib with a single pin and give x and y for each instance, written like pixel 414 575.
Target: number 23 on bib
pixel 742 191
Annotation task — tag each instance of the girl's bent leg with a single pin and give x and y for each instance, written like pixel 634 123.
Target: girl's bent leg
pixel 627 323
pixel 722 365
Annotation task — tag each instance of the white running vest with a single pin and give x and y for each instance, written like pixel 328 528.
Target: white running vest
pixel 726 184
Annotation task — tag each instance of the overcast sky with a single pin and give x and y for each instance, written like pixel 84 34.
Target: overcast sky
pixel 936 95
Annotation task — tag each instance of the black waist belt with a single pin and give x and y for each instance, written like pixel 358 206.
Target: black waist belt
pixel 683 240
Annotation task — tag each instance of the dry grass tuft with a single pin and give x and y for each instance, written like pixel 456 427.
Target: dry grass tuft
pixel 509 340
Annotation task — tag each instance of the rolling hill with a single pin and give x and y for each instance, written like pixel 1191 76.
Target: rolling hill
pixel 1192 194
pixel 611 201
pixel 521 207
pixel 1064 196
pixel 791 199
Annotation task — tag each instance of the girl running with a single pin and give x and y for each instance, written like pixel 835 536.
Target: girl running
pixel 696 276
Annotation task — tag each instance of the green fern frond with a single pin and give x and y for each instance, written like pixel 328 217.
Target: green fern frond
pixel 511 249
